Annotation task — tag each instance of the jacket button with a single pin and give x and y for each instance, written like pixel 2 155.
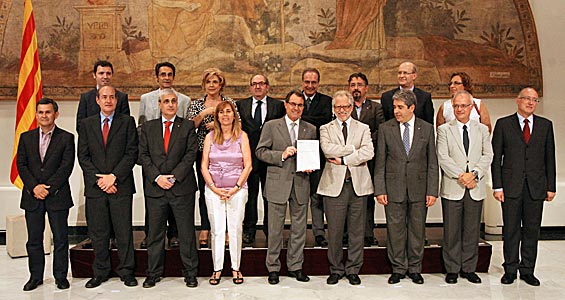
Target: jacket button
pixel 41 169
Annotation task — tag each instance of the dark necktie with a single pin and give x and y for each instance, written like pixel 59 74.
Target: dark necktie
pixel 466 139
pixel 167 135
pixel 526 131
pixel 406 138
pixel 308 102
pixel 105 131
pixel 344 131
pixel 257 116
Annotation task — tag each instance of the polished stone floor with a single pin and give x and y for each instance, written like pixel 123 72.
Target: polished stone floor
pixel 550 270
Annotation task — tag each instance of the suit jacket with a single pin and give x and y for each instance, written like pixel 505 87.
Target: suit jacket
pixel 453 160
pixel 320 111
pixel 282 175
pixel 396 173
pixel 356 151
pixel 275 110
pixel 514 160
pixel 54 171
pixel 87 105
pixel 118 157
pixel 372 115
pixel 149 106
pixel 178 160
pixel 424 105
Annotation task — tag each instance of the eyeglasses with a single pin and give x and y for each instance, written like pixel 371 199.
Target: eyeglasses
pixel 360 85
pixel 530 99
pixel 462 106
pixel 455 83
pixel 260 84
pixel 295 105
pixel 402 73
pixel 340 107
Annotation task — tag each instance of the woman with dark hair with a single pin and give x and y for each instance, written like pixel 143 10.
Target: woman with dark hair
pixel 226 164
pixel 201 111
pixel 462 81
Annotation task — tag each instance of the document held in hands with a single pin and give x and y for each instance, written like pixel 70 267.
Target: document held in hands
pixel 307 155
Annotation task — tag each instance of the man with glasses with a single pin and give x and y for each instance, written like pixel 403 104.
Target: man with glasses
pixel 523 177
pixel 370 113
pixel 277 148
pixel 254 112
pixel 345 184
pixel 317 111
pixel 464 156
pixel 407 74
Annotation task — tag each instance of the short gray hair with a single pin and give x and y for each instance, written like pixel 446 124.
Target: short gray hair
pixel 406 96
pixel 167 91
pixel 340 94
pixel 463 92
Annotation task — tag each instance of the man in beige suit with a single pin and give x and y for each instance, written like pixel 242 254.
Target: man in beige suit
pixel 464 155
pixel 345 184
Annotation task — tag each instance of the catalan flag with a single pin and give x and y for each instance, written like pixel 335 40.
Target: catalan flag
pixel 29 86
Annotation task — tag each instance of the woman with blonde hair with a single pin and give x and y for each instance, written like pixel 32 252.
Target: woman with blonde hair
pixel 226 164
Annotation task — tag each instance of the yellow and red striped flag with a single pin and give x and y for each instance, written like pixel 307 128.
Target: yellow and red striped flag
pixel 29 86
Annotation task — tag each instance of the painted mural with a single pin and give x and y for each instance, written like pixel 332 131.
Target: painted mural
pixel 494 41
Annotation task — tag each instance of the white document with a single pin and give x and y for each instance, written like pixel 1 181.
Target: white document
pixel 307 155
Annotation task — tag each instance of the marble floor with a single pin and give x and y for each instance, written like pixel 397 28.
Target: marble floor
pixel 550 270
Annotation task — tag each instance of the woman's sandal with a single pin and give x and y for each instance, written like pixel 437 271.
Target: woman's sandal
pixel 238 277
pixel 215 278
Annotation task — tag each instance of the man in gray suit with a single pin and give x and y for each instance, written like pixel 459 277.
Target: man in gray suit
pixel 277 148
pixel 406 183
pixel 345 184
pixel 464 155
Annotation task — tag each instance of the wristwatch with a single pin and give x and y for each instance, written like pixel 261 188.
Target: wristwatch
pixel 476 174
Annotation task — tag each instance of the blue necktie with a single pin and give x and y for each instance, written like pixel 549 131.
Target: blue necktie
pixel 406 138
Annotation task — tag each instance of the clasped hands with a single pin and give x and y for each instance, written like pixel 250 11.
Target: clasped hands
pixel 107 183
pixel 383 200
pixel 467 180
pixel 224 193
pixel 41 191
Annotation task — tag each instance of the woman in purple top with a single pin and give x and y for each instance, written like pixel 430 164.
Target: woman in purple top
pixel 226 164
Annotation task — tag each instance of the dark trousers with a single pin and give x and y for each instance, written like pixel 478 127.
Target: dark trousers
pixel 522 222
pixel 204 222
pixel 158 210
pixel 316 204
pixel 461 233
pixel 350 209
pixel 172 230
pixel 103 213
pixel 35 222
pixel 250 221
pixel 370 220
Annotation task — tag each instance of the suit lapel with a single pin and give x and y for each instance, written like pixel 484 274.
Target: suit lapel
pixel 454 131
pixel 35 142
pixel 474 136
pixel 302 131
pixel 283 131
pixel 516 127
pixel 98 131
pixel 174 133
pixel 396 132
pixel 416 138
pixel 53 143
pixel 336 129
pixel 270 108
pixel 117 122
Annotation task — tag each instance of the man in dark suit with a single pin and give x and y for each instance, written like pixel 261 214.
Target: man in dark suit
pixel 167 151
pixel 317 111
pixel 87 106
pixel 254 112
pixel 370 113
pixel 407 74
pixel 406 183
pixel 523 176
pixel 45 162
pixel 277 148
pixel 107 152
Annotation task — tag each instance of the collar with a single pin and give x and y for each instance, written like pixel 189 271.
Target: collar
pixel 48 132
pixel 264 100
pixel 348 122
pixel 460 125
pixel 411 121
pixel 163 119
pixel 411 89
pixel 288 121
pixel 110 117
pixel 311 97
pixel 521 119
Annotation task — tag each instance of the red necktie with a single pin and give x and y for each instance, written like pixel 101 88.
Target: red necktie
pixel 167 135
pixel 105 131
pixel 526 131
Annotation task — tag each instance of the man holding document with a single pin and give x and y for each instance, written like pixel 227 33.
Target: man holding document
pixel 277 148
pixel 345 184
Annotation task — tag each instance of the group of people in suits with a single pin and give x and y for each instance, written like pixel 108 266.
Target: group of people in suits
pixel 385 152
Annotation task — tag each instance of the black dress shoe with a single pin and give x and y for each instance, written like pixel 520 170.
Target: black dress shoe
pixel 395 278
pixel 321 241
pixel 416 278
pixel 32 284
pixel 174 242
pixel 95 282
pixel 299 275
pixel 353 279
pixel 143 244
pixel 370 241
pixel 334 278
pixel 451 278
pixel 248 238
pixel 508 278
pixel 62 283
pixel 129 280
pixel 150 281
pixel 273 277
pixel 191 281
pixel 530 279
pixel 472 277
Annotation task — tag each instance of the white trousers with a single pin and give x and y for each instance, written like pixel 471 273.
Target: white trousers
pixel 218 211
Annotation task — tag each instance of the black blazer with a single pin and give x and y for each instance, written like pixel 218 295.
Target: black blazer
pixel 515 160
pixel 178 160
pixel 320 111
pixel 54 171
pixel 117 158
pixel 87 105
pixel 275 110
pixel 424 105
pixel 372 115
